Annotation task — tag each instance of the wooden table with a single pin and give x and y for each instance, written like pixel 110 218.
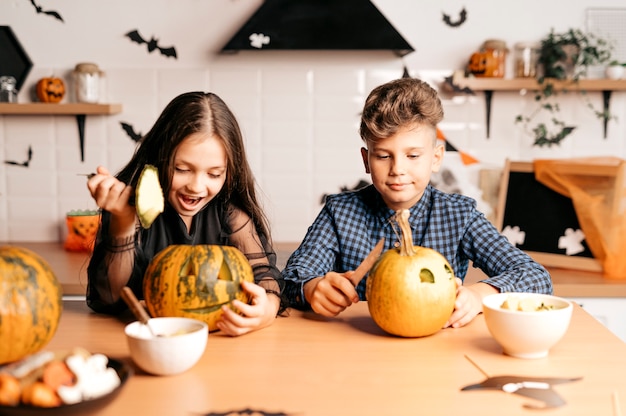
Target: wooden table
pixel 307 365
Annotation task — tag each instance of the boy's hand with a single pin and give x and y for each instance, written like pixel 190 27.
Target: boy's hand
pixel 331 294
pixel 468 303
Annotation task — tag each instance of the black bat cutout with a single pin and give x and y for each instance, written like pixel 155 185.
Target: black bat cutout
pixel 130 130
pixel 52 13
pixel 456 88
pixel 24 164
pixel 462 18
pixel 246 411
pixel 152 44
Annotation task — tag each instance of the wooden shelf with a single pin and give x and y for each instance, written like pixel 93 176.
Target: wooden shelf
pixel 459 82
pixel 59 109
pixel 517 84
pixel 79 110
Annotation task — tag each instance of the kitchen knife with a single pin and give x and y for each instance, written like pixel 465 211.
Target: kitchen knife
pixel 367 264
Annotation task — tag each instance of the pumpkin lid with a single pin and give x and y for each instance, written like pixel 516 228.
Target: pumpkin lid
pixel 495 44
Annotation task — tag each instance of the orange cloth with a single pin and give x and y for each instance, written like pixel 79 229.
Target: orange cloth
pixel 597 187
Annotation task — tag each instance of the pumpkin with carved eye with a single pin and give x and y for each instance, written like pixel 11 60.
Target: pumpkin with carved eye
pixel 195 281
pixel 411 290
pixel 50 90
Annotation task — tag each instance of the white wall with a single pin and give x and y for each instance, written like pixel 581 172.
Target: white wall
pixel 299 110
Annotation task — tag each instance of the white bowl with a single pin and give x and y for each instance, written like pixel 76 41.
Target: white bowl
pixel 525 334
pixel 180 349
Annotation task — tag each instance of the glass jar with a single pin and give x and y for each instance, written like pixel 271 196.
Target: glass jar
pixel 8 89
pixel 497 50
pixel 87 82
pixel 526 56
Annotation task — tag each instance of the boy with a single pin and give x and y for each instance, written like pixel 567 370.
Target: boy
pixel 398 126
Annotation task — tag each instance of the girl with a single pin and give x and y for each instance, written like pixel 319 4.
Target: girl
pixel 197 147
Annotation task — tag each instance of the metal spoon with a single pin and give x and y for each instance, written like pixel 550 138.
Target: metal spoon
pixel 138 310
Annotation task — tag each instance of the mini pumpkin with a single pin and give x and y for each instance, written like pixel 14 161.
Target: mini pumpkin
pixel 50 90
pixel 195 281
pixel 82 227
pixel 410 290
pixel 30 303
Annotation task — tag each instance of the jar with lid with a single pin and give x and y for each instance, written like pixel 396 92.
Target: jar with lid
pixel 526 55
pixel 490 61
pixel 87 82
pixel 8 89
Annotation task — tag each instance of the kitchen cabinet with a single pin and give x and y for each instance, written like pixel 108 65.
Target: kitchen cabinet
pixel 609 311
pixel 79 110
pixel 459 82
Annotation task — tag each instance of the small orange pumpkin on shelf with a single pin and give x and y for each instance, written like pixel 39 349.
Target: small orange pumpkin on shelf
pixel 50 90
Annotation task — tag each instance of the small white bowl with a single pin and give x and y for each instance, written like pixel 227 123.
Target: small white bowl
pixel 180 348
pixel 527 334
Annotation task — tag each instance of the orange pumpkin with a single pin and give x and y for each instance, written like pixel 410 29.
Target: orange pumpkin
pixel 82 227
pixel 30 303
pixel 410 290
pixel 195 281
pixel 50 90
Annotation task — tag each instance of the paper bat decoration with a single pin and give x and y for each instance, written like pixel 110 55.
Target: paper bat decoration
pixel 246 411
pixel 24 164
pixel 538 388
pixel 152 44
pixel 52 13
pixel 455 88
pixel 130 130
pixel 462 18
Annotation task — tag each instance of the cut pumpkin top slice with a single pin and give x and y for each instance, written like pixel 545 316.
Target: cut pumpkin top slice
pixel 149 200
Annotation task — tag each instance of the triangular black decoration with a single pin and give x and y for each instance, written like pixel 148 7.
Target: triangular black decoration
pixel 318 25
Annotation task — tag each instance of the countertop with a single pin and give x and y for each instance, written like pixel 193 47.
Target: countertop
pixel 71 270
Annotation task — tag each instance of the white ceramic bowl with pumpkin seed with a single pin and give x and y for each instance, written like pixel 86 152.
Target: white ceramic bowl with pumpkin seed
pixel 175 347
pixel 527 325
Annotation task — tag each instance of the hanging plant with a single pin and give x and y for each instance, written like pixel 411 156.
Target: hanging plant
pixel 564 57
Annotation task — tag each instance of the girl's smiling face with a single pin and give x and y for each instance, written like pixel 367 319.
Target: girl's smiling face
pixel 401 165
pixel 199 174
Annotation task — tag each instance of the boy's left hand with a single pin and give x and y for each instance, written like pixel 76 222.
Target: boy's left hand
pixel 260 313
pixel 468 303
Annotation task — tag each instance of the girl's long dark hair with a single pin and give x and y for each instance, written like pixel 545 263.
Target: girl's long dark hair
pixel 191 113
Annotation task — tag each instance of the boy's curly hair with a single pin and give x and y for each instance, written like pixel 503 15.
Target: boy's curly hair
pixel 398 103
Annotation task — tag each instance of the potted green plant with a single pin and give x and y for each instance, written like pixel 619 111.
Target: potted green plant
pixel 615 70
pixel 563 56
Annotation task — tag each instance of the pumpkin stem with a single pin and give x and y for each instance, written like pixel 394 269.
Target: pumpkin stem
pixel 406 245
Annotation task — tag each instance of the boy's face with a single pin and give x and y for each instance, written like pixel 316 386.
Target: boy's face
pixel 401 165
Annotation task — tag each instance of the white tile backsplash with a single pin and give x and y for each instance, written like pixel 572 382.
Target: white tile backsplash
pixel 301 131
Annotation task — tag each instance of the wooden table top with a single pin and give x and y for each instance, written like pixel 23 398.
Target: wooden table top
pixel 71 270
pixel 308 365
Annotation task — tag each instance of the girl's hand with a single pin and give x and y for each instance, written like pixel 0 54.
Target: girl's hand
pixel 260 313
pixel 112 195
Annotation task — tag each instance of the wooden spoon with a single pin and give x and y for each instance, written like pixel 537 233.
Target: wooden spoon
pixel 138 310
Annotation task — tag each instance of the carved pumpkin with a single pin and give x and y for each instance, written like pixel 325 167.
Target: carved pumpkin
pixel 30 303
pixel 82 227
pixel 195 281
pixel 50 90
pixel 410 290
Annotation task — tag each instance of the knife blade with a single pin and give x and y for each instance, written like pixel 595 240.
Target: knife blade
pixel 367 264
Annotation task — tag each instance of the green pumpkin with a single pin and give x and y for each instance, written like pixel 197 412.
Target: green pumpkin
pixel 196 281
